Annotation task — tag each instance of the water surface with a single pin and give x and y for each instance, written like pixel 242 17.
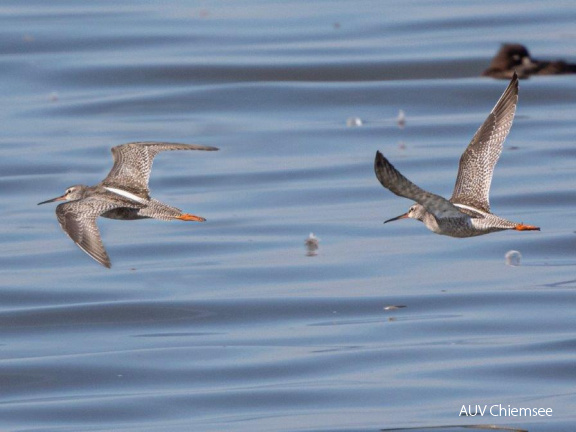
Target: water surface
pixel 229 324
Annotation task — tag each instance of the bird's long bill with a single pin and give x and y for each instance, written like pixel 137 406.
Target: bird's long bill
pixel 60 198
pixel 402 216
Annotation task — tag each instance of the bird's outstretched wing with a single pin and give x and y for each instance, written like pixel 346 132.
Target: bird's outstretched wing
pixel 133 163
pixel 396 183
pixel 478 160
pixel 78 220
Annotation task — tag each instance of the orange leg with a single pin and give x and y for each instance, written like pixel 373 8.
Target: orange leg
pixel 190 217
pixel 522 227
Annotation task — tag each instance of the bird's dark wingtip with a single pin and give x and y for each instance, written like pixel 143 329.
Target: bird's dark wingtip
pixel 380 162
pixel 105 262
pixel 514 80
pixel 382 168
pixel 377 161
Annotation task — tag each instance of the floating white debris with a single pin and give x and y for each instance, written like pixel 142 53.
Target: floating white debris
pixel 513 258
pixel 394 307
pixel 312 244
pixel 53 97
pixel 401 119
pixel 354 122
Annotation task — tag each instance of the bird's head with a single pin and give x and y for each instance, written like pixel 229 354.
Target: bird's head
pixel 73 193
pixel 415 212
pixel 515 55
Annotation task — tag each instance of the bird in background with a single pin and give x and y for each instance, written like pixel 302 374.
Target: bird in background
pixel 123 194
pixel 515 58
pixel 467 213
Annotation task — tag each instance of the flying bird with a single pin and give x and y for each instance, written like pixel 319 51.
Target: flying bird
pixel 123 194
pixel 467 213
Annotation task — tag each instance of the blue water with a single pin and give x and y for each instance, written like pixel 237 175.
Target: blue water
pixel 230 325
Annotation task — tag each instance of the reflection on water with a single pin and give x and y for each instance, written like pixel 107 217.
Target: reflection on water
pixel 230 324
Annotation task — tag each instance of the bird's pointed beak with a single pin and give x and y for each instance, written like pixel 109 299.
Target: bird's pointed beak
pixel 60 198
pixel 402 216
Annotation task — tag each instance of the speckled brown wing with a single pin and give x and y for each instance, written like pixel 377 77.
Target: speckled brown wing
pixel 133 163
pixel 78 220
pixel 396 183
pixel 478 160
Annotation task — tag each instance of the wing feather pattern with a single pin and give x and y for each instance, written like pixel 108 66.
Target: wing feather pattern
pixel 477 163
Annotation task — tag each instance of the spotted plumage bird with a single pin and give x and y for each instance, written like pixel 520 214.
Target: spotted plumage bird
pixel 123 194
pixel 467 212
